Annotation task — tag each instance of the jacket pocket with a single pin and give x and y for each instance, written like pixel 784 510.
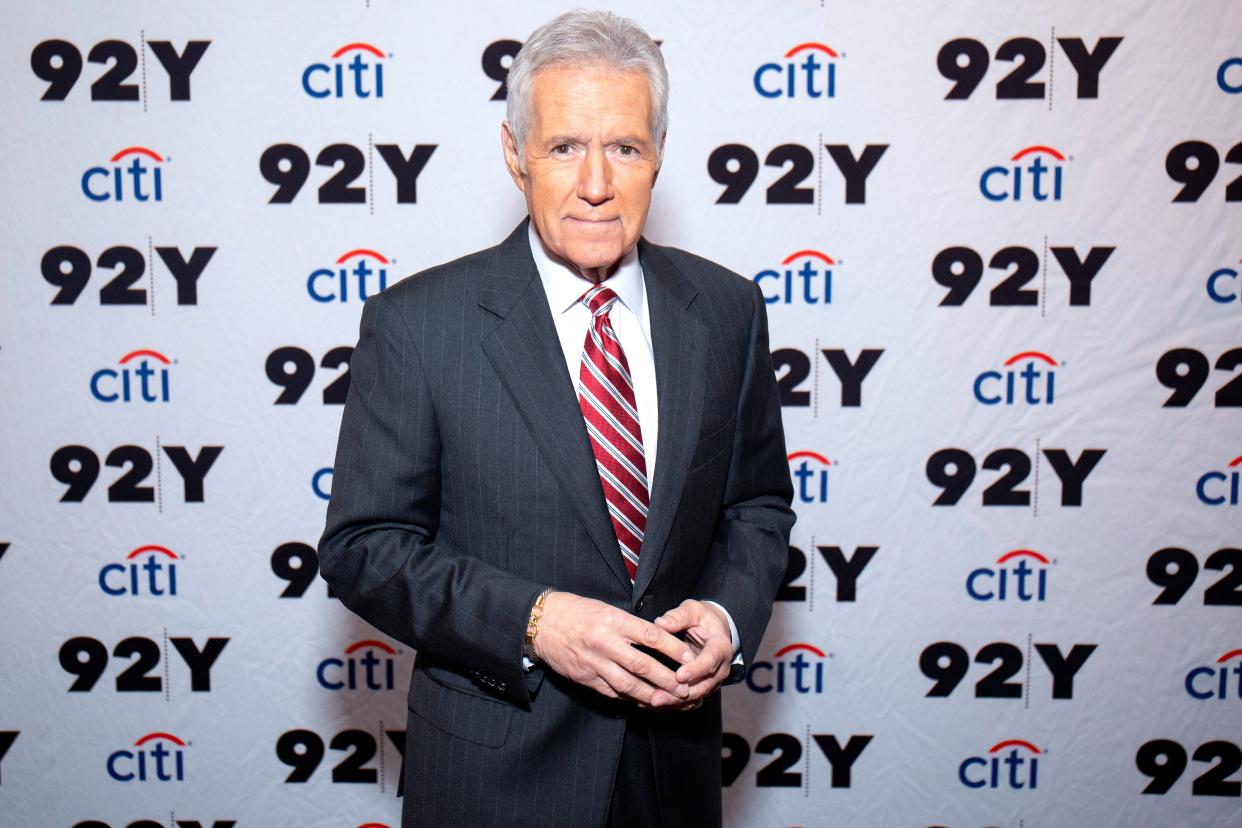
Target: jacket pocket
pixel 460 711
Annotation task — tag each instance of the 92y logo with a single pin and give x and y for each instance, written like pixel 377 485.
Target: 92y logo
pixel 960 269
pixel 736 166
pixel 954 469
pixel 1165 760
pixel 7 738
pixel 947 662
pixel 787 751
pixel 87 659
pixel 1196 177
pixel 78 468
pixel 59 63
pixel 964 61
pixel 288 167
pixel 69 268
pixel 1175 571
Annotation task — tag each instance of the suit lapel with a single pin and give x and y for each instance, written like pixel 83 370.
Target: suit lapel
pixel 524 350
pixel 678 342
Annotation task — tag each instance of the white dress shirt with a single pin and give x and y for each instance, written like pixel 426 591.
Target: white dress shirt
pixel 631 321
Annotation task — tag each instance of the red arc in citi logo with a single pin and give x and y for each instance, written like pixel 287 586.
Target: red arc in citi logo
pixel 1039 179
pixel 323 80
pixel 1020 574
pixel 810 70
pixel 810 470
pixel 372 670
pixel 353 273
pixel 1033 384
pixel 148 570
pixel 141 377
pixel 1003 767
pixel 1221 488
pixel 128 173
pixel 1220 681
pixel 811 283
pixel 796 668
pixel 164 761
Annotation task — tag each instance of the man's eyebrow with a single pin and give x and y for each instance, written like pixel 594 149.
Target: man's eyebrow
pixel 630 139
pixel 557 140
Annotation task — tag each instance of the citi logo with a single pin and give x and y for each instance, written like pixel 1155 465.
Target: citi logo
pixel 1219 488
pixel 163 761
pixel 352 273
pixel 142 376
pixel 321 483
pixel 372 669
pixel 1003 767
pixel 112 183
pixel 1218 681
pixel 1018 575
pixel 802 73
pixel 1038 180
pixel 795 668
pixel 810 284
pixel 810 470
pixel 1229 76
pixel 1223 286
pixel 361 62
pixel 1021 383
pixel 148 570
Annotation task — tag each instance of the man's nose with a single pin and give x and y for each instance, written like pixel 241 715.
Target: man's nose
pixel 595 177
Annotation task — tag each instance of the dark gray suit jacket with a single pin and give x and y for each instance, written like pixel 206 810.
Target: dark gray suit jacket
pixel 465 484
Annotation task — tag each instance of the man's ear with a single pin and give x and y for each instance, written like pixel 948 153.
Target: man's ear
pixel 509 144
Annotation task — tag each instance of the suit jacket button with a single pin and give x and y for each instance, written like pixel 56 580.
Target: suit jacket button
pixel 641 603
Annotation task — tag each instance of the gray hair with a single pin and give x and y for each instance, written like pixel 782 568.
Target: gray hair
pixel 583 38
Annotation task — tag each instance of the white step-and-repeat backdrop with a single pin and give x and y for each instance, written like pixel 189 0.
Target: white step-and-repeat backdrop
pixel 1000 243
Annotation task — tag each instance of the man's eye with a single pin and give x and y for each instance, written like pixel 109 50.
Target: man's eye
pixel 561 149
pixel 627 150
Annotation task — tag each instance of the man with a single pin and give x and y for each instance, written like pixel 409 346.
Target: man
pixel 496 500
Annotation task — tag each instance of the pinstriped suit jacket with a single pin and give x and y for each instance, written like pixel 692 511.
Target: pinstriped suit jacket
pixel 465 484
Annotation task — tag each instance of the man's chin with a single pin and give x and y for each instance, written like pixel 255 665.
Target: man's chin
pixel 595 258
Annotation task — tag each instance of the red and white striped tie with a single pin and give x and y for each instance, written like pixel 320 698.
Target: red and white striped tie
pixel 606 394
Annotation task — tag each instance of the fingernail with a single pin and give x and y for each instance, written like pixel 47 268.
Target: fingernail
pixel 683 690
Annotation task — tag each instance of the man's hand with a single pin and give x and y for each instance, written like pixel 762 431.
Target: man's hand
pixel 707 630
pixel 591 643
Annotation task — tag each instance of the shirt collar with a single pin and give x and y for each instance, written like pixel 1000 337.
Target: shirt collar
pixel 564 287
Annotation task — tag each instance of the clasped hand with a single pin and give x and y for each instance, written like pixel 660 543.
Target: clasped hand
pixel 594 644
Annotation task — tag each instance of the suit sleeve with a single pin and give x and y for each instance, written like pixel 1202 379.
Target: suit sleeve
pixel 380 550
pixel 750 548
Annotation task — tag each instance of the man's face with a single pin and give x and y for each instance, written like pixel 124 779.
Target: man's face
pixel 590 163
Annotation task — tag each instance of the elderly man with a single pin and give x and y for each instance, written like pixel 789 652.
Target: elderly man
pixel 497 501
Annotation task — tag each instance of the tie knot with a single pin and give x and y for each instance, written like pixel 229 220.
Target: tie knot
pixel 599 299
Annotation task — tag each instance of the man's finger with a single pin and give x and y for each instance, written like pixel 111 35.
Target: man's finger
pixel 640 664
pixel 653 637
pixel 674 620
pixel 714 656
pixel 629 686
